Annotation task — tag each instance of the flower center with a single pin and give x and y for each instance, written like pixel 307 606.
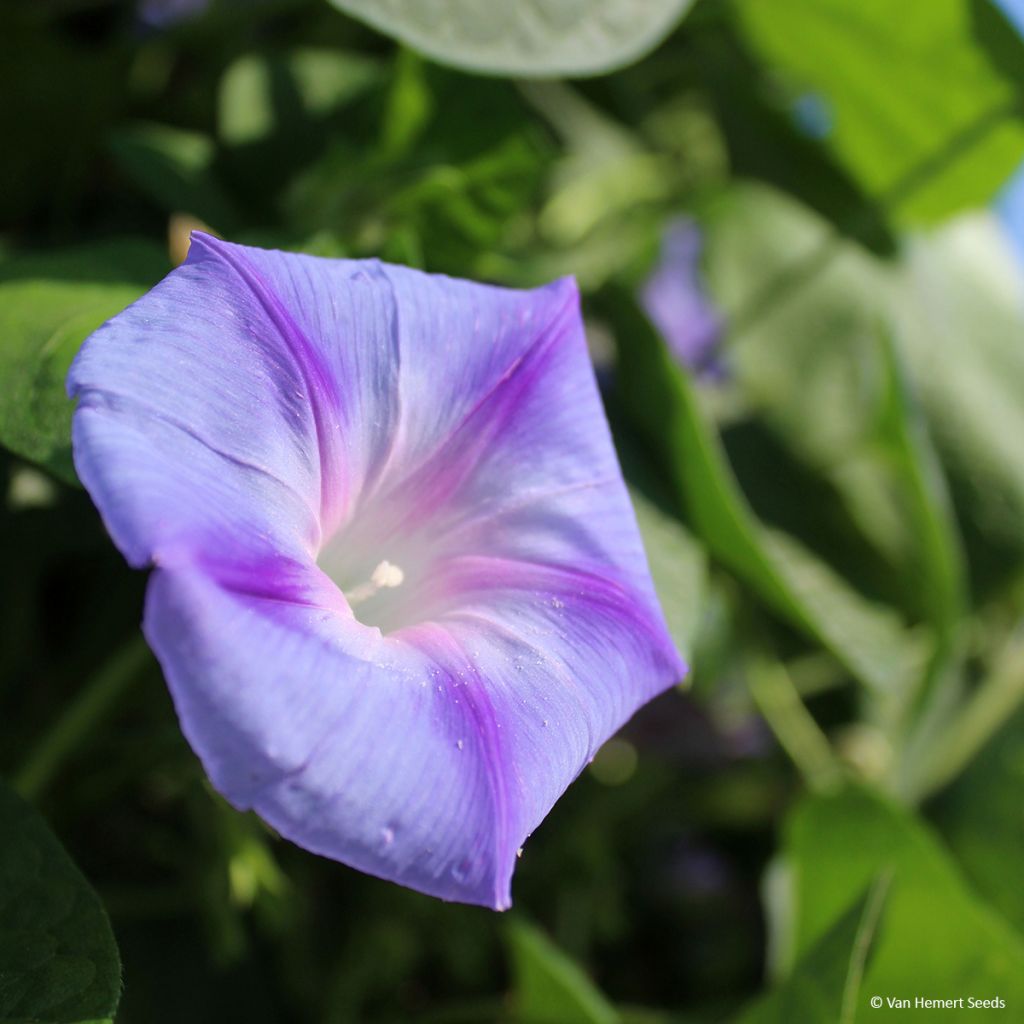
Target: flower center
pixel 384 576
pixel 379 591
pixel 381 564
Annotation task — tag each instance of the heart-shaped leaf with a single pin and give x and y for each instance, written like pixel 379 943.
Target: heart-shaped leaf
pixel 58 960
pixel 535 38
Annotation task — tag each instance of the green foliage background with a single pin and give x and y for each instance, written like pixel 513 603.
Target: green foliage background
pixel 833 809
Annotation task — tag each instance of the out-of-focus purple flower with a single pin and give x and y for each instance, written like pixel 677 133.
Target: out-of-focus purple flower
pixel 160 14
pixel 673 297
pixel 398 595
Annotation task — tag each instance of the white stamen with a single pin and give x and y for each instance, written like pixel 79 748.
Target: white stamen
pixel 384 576
pixel 387 575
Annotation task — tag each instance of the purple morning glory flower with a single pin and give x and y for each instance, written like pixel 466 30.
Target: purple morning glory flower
pixel 673 297
pixel 398 595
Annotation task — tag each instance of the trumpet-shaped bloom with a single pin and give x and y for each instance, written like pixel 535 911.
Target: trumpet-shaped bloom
pixel 399 595
pixel 673 297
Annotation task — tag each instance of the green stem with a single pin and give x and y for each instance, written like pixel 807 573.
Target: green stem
pixel 90 706
pixel 969 729
pixel 798 733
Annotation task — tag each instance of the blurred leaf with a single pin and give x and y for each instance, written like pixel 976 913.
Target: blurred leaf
pixel 606 169
pixel 605 184
pixel 260 94
pixel 810 343
pixel 679 567
pixel 980 817
pixel 869 639
pixel 58 959
pixel 960 725
pixel 920 113
pixel 175 169
pixel 801 309
pixel 938 938
pixel 915 469
pixel 476 197
pixel 445 180
pixel 549 987
pixel 771 142
pixel 825 985
pixel 541 38
pixel 600 191
pixel 410 106
pixel 866 638
pixel 915 473
pixel 233 869
pixel 959 317
pixel 49 304
pixel 999 36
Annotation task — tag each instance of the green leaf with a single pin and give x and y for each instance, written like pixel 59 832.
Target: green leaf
pixel 605 181
pixel 980 817
pixel 549 987
pixel 939 940
pixel 48 305
pixel 812 342
pixel 921 114
pixel 959 318
pixel 802 309
pixel 914 470
pixel 825 986
pixel 410 107
pixel 679 568
pixel 262 94
pixel 867 639
pixel 58 960
pixel 541 38
pixel 1000 38
pixel 906 437
pixel 175 169
pixel 768 143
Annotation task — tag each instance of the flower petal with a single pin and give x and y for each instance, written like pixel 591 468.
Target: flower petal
pixel 350 745
pixel 254 360
pixel 559 660
pixel 429 759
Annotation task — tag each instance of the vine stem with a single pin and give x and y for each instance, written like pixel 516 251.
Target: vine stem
pixel 796 730
pixel 94 702
pixel 971 727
